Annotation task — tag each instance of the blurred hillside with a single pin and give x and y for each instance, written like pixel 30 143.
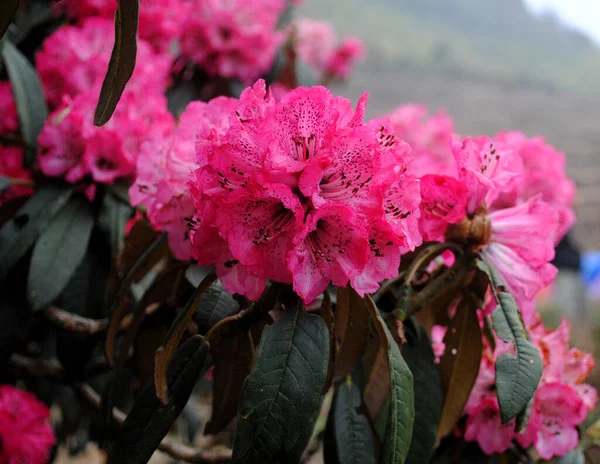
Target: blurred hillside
pixel 492 65
pixel 493 39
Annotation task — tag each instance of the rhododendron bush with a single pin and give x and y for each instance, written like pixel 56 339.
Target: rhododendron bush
pixel 183 222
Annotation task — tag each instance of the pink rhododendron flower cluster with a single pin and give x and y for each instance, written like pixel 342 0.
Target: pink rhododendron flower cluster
pixel 302 192
pixel 561 402
pixel 164 168
pixel 159 20
pixel 517 238
pixel 71 146
pixel 232 39
pixel 316 44
pixel 26 435
pixel 75 58
pixel 11 158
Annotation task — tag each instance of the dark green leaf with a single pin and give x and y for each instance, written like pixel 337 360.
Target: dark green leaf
pixel 122 60
pixel 517 377
pixel 575 456
pixel 19 234
pixel 353 435
pixel 215 304
pixel 8 9
pixel 419 356
pixel 58 252
pixel 113 217
pixel 280 399
pixel 29 97
pixel 13 323
pixel 150 419
pixel 402 406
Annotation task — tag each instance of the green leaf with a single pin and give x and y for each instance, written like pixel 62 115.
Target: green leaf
pixel 150 420
pixel 58 252
pixel 575 456
pixel 122 60
pixel 29 97
pixel 353 435
pixel 280 398
pixel 402 401
pixel 112 220
pixel 19 234
pixel 517 377
pixel 419 356
pixel 215 304
pixel 8 9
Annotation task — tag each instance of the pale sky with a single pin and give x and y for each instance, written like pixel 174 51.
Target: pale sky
pixel 582 14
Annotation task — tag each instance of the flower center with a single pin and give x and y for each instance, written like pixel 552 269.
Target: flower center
pixel 475 231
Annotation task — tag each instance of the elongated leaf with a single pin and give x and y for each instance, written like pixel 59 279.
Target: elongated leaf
pixel 58 252
pixel 141 240
pixel 352 330
pixel 353 435
pixel 113 217
pixel 280 398
pixel 419 356
pixel 18 235
pixel 122 60
pixel 150 420
pixel 402 407
pixel 459 365
pixel 8 9
pixel 29 97
pixel 165 353
pixel 231 351
pixel 5 182
pixel 215 304
pixel 517 377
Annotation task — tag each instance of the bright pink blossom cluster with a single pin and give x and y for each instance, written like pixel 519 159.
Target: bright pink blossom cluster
pixel 74 59
pixel 315 43
pixel 561 402
pixel 26 435
pixel 302 191
pixel 11 157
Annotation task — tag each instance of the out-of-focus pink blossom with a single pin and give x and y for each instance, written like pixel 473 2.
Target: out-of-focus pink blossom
pixel 430 138
pixel 74 59
pixel 315 43
pixel 484 427
pixel 26 435
pixel 159 20
pixel 232 39
pixel 544 174
pixel 301 191
pixel 11 158
pixel 164 168
pixel 71 146
pixel 438 332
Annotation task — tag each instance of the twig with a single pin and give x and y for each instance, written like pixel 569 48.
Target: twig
pixel 175 450
pixel 83 325
pixel 51 368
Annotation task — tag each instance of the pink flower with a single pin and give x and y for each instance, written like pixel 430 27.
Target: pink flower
pixel 216 35
pixel 484 427
pixel 74 59
pixel 438 332
pixel 71 146
pixel 521 248
pixel 25 432
pixel 429 137
pixel 303 192
pixel 315 44
pixel 164 167
pixel 158 19
pixel 545 175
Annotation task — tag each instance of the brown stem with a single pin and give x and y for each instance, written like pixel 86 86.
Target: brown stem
pixel 51 368
pixel 177 451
